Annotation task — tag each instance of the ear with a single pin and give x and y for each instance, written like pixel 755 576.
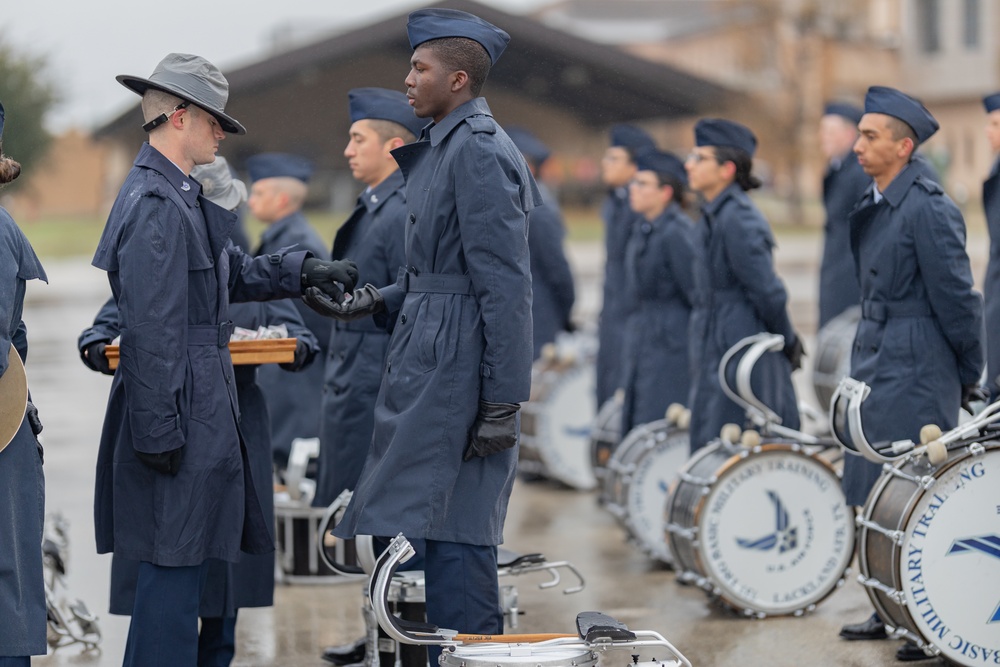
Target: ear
pixel 668 192
pixel 178 119
pixel 906 147
pixel 393 144
pixel 459 80
pixel 728 169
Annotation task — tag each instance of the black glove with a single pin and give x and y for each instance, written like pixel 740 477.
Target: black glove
pixel 95 357
pixel 970 394
pixel 31 412
pixel 166 462
pixel 794 353
pixel 363 303
pixel 303 357
pixel 334 278
pixel 496 429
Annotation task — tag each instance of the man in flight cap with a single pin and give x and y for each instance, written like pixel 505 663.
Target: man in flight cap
pixel 173 486
pixel 444 449
pixel 918 344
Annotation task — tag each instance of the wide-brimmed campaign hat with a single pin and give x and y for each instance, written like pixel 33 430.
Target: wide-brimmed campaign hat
pixel 193 79
pixel 13 397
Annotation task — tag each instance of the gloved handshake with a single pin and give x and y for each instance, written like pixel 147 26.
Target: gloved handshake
pixel 361 303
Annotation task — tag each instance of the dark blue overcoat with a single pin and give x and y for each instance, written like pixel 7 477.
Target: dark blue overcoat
pixel 249 582
pixel 374 238
pixel 173 271
pixel 295 399
pixel 739 295
pixel 618 219
pixel 462 334
pixel 843 185
pixel 660 280
pixel 22 592
pixel 920 335
pixel 991 285
pixel 551 278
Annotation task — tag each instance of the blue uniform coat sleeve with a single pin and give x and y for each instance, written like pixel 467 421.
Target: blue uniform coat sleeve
pixel 103 330
pixel 748 251
pixel 492 217
pixel 939 236
pixel 274 276
pixel 679 249
pixel 152 258
pixel 552 286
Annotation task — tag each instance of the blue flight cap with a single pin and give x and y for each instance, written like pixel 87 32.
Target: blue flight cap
pixel 279 165
pixel 529 145
pixel 724 133
pixel 435 23
pixel 891 102
pixel 991 102
pixel 384 104
pixel 631 137
pixel 844 110
pixel 662 162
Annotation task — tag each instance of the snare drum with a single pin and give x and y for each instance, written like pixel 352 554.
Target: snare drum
pixel 606 434
pixel 765 529
pixel 638 478
pixel 518 655
pixel 832 360
pixel 556 420
pixel 929 552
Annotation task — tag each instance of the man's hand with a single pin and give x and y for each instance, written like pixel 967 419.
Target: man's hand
pixel 94 355
pixel 972 393
pixel 166 462
pixel 303 357
pixel 364 302
pixel 31 412
pixel 333 278
pixel 794 352
pixel 496 428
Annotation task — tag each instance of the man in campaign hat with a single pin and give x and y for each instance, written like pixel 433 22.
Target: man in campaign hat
pixel 552 290
pixel 738 293
pixel 843 184
pixel 918 344
pixel 617 169
pixel 174 487
pixel 278 190
pixel 444 448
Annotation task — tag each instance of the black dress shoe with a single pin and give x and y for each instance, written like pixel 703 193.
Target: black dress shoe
pixel 870 628
pixel 345 654
pixel 910 652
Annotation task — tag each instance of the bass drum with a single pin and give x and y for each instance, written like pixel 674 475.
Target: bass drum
pixel 556 421
pixel 928 552
pixel 606 434
pixel 832 360
pixel 638 477
pixel 765 529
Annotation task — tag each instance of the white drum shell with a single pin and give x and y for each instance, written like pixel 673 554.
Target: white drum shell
pixel 518 655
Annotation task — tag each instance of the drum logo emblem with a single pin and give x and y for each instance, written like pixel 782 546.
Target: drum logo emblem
pixel 987 544
pixel 784 537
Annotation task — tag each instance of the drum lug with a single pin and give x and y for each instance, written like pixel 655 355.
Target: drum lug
pixel 923 481
pixel 895 535
pixel 896 596
pixel 977 449
pixel 704 482
pixel 680 531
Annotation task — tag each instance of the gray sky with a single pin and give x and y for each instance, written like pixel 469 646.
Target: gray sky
pixel 89 43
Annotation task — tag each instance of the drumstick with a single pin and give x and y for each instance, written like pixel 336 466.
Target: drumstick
pixel 511 639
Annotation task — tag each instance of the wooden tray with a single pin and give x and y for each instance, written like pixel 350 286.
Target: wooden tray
pixel 243 352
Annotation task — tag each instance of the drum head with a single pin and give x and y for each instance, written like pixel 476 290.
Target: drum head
pixel 518 655
pixel 13 397
pixel 950 560
pixel 775 533
pixel 564 424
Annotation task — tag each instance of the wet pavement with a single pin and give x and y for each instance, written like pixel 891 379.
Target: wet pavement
pixel 562 523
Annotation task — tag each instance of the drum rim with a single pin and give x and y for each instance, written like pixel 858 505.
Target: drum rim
pixel 580 656
pixel 834 584
pixel 862 531
pixel 613 470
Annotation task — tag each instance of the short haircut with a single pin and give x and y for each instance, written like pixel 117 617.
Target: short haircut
pixel 901 130
pixel 156 102
pixel 461 53
pixel 9 169
pixel 743 162
pixel 680 190
pixel 387 129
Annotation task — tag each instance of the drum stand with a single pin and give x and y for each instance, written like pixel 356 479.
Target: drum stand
pixel 68 622
pixel 596 634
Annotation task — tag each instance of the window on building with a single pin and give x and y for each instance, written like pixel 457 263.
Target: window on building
pixel 970 25
pixel 928 18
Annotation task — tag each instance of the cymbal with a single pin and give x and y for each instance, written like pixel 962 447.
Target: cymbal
pixel 13 398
